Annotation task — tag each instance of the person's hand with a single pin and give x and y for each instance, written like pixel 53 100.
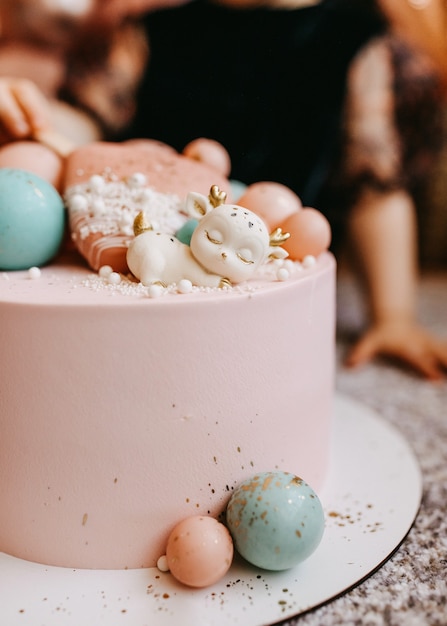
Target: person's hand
pixel 24 110
pixel 405 341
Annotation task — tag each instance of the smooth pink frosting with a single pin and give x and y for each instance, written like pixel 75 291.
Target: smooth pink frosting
pixel 122 414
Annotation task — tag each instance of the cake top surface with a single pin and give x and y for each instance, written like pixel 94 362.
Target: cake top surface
pixel 68 282
pixel 149 224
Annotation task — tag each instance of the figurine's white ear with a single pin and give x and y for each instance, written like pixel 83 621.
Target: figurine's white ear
pixel 197 205
pixel 278 253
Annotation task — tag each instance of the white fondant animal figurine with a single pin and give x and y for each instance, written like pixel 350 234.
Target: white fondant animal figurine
pixel 228 246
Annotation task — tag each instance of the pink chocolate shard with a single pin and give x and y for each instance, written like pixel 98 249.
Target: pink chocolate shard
pixel 107 184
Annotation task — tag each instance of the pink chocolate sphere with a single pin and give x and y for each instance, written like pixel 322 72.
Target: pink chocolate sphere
pixel 310 234
pixel 32 157
pixel 210 152
pixel 273 202
pixel 199 551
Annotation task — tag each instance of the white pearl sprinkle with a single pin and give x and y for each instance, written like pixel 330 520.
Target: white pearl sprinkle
pixel 145 195
pixel 105 271
pixel 127 231
pixel 162 564
pixel 97 182
pixel 34 272
pixel 114 278
pixel 136 180
pixel 78 202
pixel 98 207
pixel 126 219
pixel 155 291
pixel 282 274
pixel 184 286
pixel 309 261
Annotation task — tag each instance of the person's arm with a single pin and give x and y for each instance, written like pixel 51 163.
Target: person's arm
pixel 382 229
pixel 382 224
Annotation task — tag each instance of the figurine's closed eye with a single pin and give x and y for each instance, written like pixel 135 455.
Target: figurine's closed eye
pixel 214 236
pixel 245 255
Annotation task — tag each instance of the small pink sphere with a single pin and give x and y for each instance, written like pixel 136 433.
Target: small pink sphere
pixel 210 152
pixel 33 157
pixel 310 234
pixel 273 202
pixel 199 551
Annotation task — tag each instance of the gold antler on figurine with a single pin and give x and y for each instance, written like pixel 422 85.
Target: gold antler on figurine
pixel 140 224
pixel 277 237
pixel 216 196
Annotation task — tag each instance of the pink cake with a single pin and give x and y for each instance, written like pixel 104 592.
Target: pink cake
pixel 124 410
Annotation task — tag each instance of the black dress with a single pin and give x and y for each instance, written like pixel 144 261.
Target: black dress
pixel 268 84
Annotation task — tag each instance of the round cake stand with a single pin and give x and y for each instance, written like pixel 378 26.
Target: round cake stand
pixel 370 500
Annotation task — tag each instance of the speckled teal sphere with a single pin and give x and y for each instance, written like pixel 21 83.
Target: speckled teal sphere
pixel 276 520
pixel 32 220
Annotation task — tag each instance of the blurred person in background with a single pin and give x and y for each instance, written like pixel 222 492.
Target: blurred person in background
pixel 329 98
pixel 68 69
pixel 338 99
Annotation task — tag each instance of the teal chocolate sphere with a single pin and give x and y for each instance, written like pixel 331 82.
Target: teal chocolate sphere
pixel 276 520
pixel 184 234
pixel 32 220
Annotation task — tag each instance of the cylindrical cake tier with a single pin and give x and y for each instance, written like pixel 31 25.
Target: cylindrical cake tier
pixel 122 414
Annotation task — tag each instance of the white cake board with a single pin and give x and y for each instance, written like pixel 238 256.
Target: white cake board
pixel 371 500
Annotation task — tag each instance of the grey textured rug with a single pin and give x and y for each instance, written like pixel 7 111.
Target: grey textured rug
pixel 411 587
